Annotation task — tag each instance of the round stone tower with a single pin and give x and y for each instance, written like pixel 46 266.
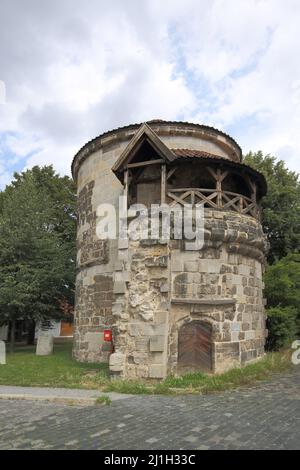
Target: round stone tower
pixel 170 309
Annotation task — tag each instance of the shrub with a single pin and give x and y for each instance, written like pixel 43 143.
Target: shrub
pixel 282 326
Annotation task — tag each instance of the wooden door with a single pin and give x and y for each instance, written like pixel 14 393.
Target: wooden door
pixel 195 347
pixel 66 329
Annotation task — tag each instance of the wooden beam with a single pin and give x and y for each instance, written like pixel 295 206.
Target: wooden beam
pixel 223 175
pixel 163 183
pixel 171 172
pixel 146 163
pixel 126 183
pixel 212 172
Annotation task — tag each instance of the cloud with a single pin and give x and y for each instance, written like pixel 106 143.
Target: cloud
pixel 74 69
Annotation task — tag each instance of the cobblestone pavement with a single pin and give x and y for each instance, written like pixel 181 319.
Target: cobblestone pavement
pixel 266 416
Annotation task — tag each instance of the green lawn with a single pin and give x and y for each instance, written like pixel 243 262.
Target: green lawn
pixel 61 370
pixel 58 370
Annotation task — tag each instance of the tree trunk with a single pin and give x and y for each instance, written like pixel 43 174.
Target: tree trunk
pixel 31 333
pixel 12 335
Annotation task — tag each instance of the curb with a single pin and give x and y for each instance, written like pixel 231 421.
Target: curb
pixel 60 400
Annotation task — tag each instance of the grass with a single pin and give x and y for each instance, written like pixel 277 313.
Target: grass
pixel 103 400
pixel 201 383
pixel 61 370
pixel 24 368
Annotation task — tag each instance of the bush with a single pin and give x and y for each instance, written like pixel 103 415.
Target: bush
pixel 282 326
pixel 282 282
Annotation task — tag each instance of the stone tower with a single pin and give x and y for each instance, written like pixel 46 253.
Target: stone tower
pixel 170 310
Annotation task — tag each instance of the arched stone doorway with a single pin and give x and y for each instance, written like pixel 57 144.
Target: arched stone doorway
pixel 195 347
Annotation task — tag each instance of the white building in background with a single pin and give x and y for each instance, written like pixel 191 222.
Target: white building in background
pixel 55 328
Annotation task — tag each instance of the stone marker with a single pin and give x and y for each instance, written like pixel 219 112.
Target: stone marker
pixel 2 353
pixel 44 345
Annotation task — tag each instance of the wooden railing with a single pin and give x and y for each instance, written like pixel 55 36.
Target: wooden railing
pixel 214 199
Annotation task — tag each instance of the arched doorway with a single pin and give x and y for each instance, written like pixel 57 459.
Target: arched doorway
pixel 195 347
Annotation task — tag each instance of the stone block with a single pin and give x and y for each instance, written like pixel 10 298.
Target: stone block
pixel 157 343
pixel 123 243
pixel 118 265
pixel 123 255
pixel 235 326
pixel 122 276
pixel 140 329
pixel 156 261
pixel 159 329
pixel 119 287
pixel 146 329
pixel 209 266
pixel 244 270
pixel 142 344
pixel 232 258
pixel 117 309
pixel 191 266
pixel 249 334
pixel 140 358
pixel 116 362
pixel 44 345
pixel 148 242
pixel 160 317
pixel 230 349
pixel 164 287
pixel 126 276
pixel 2 353
pixel 157 371
pixel 94 340
pixel 235 336
pixel 177 263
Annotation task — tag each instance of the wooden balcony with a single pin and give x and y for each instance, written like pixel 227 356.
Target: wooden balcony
pixel 223 200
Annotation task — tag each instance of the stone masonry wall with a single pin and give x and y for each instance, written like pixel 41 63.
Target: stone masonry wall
pixel 166 286
pixel 137 287
pixel 140 311
pixel 225 278
pixel 95 260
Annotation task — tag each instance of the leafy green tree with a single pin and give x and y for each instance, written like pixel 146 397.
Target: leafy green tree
pixel 282 289
pixel 282 282
pixel 281 205
pixel 37 246
pixel 282 327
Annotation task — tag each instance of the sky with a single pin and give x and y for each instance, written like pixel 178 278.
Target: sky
pixel 72 69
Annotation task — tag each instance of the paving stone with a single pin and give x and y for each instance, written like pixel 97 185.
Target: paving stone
pixel 264 416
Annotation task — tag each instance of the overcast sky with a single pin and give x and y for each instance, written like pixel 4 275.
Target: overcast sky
pixel 73 69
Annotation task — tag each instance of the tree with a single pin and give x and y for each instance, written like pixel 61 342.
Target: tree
pixel 37 246
pixel 281 205
pixel 282 289
pixel 282 282
pixel 282 327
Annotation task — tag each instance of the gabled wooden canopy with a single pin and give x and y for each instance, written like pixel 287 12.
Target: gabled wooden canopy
pixel 145 136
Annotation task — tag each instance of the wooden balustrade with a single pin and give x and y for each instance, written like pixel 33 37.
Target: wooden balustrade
pixel 215 199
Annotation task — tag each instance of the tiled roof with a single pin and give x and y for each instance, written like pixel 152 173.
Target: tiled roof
pixel 188 153
pixel 154 122
pixel 182 154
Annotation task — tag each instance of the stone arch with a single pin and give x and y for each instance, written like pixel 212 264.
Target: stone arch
pixel 195 346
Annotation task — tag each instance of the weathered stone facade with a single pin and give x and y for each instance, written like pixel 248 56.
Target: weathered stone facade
pixel 171 310
pixel 167 287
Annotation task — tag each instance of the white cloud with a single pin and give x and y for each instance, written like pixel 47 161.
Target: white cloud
pixel 77 69
pixel 74 69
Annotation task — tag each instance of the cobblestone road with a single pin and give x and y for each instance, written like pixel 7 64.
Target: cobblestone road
pixel 266 416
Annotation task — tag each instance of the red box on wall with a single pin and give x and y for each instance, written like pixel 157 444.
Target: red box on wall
pixel 107 335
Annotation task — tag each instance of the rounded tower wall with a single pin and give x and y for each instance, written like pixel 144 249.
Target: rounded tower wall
pixel 160 300
pixel 96 184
